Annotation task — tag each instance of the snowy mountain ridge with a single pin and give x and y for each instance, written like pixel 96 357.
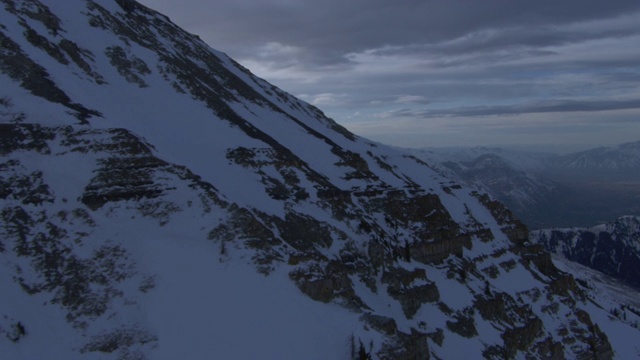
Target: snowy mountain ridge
pixel 158 201
pixel 611 248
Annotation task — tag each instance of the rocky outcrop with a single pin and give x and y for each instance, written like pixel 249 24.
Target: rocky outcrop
pixel 383 324
pixel 16 64
pixel 325 284
pixel 412 346
pixel 129 66
pixel 411 288
pixel 28 188
pixel 463 324
pixel 123 179
pixel 125 342
pixel 436 250
pixel 514 228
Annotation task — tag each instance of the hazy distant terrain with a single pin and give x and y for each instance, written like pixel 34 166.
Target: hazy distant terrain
pixel 548 190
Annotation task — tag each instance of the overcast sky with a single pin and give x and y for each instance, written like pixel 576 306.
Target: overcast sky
pixel 419 73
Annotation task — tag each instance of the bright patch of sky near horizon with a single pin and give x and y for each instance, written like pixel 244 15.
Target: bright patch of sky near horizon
pixel 418 73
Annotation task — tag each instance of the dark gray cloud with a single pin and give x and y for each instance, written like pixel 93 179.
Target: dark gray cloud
pixel 545 106
pixel 429 64
pixel 330 29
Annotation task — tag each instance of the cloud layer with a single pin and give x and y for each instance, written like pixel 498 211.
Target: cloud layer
pixel 423 67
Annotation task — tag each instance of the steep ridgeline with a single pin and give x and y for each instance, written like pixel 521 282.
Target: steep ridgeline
pixel 158 201
pixel 613 248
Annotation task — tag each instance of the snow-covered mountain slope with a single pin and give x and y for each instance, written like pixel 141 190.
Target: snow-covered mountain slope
pixel 158 201
pixel 612 248
pixel 621 299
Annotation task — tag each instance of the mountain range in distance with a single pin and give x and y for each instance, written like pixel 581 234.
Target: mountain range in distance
pixel 548 190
